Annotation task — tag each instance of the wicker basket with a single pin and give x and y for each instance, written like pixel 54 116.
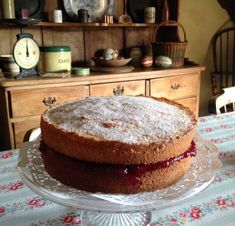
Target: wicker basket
pixel 174 50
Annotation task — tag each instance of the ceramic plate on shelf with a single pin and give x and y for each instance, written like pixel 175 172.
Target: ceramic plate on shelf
pixel 96 8
pixel 35 7
pixel 113 70
pixel 112 63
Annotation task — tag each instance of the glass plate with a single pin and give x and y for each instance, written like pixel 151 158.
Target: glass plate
pixel 198 177
pixel 35 7
pixel 96 8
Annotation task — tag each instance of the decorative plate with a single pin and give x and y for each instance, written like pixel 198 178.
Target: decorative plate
pixel 105 209
pixel 35 7
pixel 96 8
pixel 200 174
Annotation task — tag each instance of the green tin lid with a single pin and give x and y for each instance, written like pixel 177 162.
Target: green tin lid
pixel 55 48
pixel 80 71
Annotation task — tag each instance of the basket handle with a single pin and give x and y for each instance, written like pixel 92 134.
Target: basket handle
pixel 171 22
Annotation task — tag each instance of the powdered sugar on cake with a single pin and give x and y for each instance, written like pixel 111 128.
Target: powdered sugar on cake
pixel 126 119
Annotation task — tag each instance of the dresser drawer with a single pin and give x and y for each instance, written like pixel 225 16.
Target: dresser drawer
pixel 175 87
pixel 191 103
pixel 35 101
pixel 118 88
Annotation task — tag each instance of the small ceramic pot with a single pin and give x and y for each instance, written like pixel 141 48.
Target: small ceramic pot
pixel 149 14
pixel 8 64
pixel 135 54
pixel 57 16
pixel 83 16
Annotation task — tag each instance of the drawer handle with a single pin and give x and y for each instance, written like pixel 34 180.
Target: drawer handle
pixel 175 86
pixel 118 91
pixel 48 101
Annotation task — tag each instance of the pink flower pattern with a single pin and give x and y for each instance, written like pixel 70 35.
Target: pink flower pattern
pixel 182 214
pixel 2 210
pixel 195 210
pixel 207 119
pixel 194 213
pixel 36 203
pixel 6 155
pixel 68 219
pixel 226 155
pixel 217 179
pixel 227 173
pixel 216 128
pixel 221 202
pixel 11 186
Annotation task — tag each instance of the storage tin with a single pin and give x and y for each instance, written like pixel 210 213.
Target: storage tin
pixel 55 59
pixel 80 71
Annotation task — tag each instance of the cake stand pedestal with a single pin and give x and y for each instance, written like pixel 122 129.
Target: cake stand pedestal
pixel 120 210
pixel 92 218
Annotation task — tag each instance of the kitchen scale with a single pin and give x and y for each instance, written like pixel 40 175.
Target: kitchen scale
pixel 26 54
pixel 26 51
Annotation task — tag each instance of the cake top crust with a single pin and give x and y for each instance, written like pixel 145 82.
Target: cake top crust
pixel 128 119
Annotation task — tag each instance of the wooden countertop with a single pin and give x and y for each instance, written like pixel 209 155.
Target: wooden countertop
pixel 95 77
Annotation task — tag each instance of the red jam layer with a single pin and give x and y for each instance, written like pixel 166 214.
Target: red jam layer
pixel 133 173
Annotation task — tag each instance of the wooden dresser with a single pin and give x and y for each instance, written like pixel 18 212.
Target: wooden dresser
pixel 23 101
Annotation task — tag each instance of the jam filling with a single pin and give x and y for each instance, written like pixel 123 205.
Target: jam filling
pixel 133 173
pixel 130 173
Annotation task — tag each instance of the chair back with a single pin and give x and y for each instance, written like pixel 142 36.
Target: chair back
pixel 226 101
pixel 223 47
pixel 32 134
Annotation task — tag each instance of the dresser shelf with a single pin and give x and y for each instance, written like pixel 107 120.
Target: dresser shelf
pixel 76 24
pixel 91 24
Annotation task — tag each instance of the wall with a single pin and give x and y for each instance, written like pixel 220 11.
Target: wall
pixel 201 19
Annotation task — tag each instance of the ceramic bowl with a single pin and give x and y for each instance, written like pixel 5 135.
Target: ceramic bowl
pixel 124 19
pixel 8 64
pixel 111 63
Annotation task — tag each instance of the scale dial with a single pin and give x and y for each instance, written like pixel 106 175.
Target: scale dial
pixel 26 53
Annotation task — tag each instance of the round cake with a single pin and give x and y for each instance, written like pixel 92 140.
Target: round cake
pixel 119 129
pixel 145 142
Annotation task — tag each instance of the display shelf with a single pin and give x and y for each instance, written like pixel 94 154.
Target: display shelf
pixel 76 24
pixel 93 24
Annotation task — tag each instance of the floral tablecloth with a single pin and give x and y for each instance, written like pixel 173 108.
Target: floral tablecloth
pixel 213 206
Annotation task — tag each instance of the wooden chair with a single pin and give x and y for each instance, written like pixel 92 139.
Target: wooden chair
pixel 226 101
pixel 223 47
pixel 223 76
pixel 32 134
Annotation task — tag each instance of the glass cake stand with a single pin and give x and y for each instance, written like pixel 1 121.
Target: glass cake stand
pixel 108 209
